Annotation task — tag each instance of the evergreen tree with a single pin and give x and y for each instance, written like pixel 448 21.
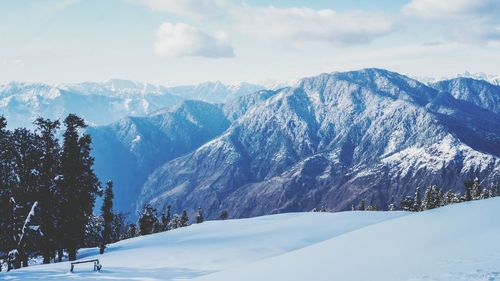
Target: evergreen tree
pixel 147 220
pixel 494 189
pixel 362 205
pixel 476 189
pixel 184 219
pixel 417 205
pixel 131 231
pixel 7 183
pixel 433 198
pixel 48 204
pixel 80 184
pixel 372 207
pixel 94 231
pixel 26 168
pixel 176 222
pixel 224 215
pixel 107 215
pixel 119 227
pixel 407 204
pixel 199 216
pixel 166 218
pixel 468 185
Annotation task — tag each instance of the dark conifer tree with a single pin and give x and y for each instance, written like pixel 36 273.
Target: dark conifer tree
pixel 362 205
pixel 224 215
pixel 417 205
pixel 7 183
pixel 199 216
pixel 468 190
pixel 80 184
pixel 26 168
pixel 166 218
pixel 147 220
pixel 48 205
pixel 184 219
pixel 107 215
pixel 407 204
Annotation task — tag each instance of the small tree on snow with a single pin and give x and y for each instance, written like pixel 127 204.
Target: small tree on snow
pixel 184 219
pixel 148 220
pixel 362 205
pixel 199 216
pixel 224 215
pixel 417 202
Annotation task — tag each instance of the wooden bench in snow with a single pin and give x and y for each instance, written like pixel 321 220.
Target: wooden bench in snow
pixel 97 265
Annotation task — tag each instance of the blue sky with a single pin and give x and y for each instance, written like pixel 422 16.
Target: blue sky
pixel 188 41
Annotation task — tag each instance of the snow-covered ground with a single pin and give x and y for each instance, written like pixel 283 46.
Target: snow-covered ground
pixel 458 242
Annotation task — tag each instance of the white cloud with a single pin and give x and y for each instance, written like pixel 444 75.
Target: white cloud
pixel 305 25
pixel 178 40
pixel 464 21
pixel 444 9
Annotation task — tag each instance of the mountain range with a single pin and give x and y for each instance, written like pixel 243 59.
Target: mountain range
pixel 101 103
pixel 328 141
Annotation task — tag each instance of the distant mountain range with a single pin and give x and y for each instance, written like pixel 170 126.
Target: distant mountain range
pixel 107 102
pixel 329 140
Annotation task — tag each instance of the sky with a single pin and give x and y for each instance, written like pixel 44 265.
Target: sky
pixel 174 42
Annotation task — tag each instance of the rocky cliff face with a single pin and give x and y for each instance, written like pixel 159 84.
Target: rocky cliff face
pixel 331 141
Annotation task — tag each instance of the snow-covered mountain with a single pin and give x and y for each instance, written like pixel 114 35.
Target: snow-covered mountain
pixel 214 92
pixel 478 92
pixel 457 242
pixel 333 140
pixel 106 102
pixel 128 150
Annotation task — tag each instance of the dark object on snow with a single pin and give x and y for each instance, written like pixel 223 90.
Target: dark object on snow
pixel 97 265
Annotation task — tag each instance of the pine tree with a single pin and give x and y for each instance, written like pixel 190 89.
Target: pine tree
pixel 184 219
pixel 199 216
pixel 407 204
pixel 362 205
pixel 26 168
pixel 107 215
pixel 8 180
pixel 224 215
pixel 80 184
pixel 494 189
pixel 476 189
pixel 147 220
pixel 417 205
pixel 166 218
pixel 176 222
pixel 48 204
pixel 468 185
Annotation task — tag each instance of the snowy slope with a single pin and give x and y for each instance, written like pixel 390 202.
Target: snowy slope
pixel 206 248
pixel 459 242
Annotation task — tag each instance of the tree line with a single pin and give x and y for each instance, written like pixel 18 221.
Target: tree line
pixel 434 197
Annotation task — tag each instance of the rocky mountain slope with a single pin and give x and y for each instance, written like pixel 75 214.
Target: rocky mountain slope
pixel 128 150
pixel 333 140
